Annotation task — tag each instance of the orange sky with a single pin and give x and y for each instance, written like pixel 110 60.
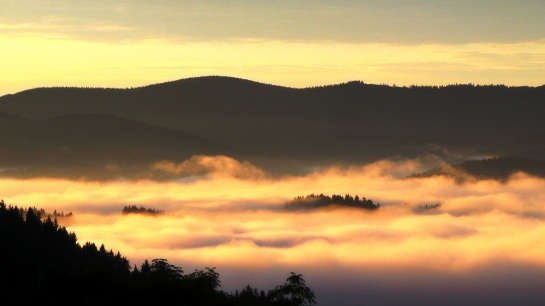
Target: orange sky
pixel 77 43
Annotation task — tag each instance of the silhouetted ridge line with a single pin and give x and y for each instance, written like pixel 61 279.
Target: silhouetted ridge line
pixel 212 79
pixel 234 81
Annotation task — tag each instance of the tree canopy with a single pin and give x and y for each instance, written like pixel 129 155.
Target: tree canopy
pixel 313 201
pixel 133 209
pixel 43 263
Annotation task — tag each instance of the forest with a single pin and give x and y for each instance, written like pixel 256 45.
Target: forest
pixel 44 263
pixel 313 201
pixel 133 209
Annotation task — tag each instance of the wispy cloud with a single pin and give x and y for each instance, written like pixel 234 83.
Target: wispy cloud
pixel 341 21
pixel 211 165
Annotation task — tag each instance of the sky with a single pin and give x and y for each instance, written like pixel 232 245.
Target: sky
pixel 482 246
pixel 291 43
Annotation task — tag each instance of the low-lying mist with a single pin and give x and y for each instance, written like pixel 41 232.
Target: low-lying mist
pixel 483 243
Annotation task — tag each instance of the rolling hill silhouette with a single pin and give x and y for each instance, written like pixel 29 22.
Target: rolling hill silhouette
pixel 286 129
pixel 96 146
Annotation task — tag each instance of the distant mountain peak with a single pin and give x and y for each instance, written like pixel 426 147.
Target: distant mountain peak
pixel 211 81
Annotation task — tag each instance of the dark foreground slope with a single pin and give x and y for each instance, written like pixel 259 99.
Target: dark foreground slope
pixel 345 123
pixel 42 263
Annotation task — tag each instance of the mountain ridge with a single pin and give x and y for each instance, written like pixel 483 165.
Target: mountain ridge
pixel 345 123
pixel 77 145
pixel 350 83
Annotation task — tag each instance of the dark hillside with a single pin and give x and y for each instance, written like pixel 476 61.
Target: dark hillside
pixel 490 168
pixel 93 145
pixel 344 123
pixel 529 146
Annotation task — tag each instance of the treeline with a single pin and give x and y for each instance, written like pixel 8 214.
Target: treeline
pixel 414 86
pixel 133 209
pixel 43 213
pixel 313 201
pixel 429 206
pixel 41 262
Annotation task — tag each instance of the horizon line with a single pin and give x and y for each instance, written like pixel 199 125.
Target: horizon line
pixel 275 85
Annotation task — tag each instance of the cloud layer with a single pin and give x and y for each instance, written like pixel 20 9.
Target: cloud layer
pixel 237 223
pixel 394 21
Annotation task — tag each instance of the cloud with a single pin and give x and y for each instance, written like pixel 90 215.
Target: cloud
pixel 342 21
pixel 231 216
pixel 200 165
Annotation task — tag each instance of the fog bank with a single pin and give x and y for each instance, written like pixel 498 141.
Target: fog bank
pixel 483 244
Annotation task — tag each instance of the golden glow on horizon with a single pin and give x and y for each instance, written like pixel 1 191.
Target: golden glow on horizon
pixel 221 220
pixel 29 61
